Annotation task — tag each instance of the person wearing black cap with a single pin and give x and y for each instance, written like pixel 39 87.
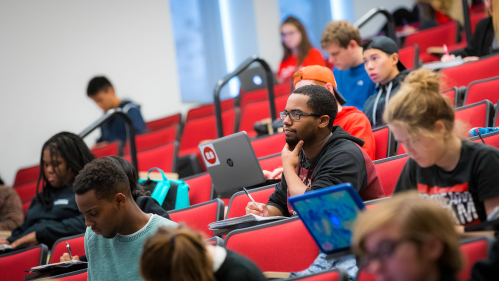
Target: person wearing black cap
pixel 382 63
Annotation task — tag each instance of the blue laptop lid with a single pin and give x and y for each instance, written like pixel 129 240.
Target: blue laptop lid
pixel 329 214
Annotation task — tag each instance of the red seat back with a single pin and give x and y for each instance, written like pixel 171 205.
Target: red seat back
pixel 389 170
pixel 26 192
pixel 162 157
pixel 474 19
pixel 154 139
pixel 436 36
pixel 473 250
pixel 26 206
pixel 59 248
pixel 280 103
pixel 485 89
pixel 269 145
pixel 199 216
pixel 251 114
pixel 480 114
pixel 384 142
pixel 208 110
pixel 78 275
pixel 262 95
pixel 164 123
pixel 201 129
pixel 27 175
pixel 452 95
pixel 199 188
pixel 271 163
pixel 13 264
pixel 491 139
pixel 364 276
pixel 334 275
pixel 282 246
pixel 107 150
pixel 409 55
pixel 464 74
pixel 240 200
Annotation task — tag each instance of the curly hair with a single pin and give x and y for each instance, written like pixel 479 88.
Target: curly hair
pixel 321 101
pixel 104 177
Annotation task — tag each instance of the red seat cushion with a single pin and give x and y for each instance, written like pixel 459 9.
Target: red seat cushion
pixel 269 145
pixel 164 123
pixel 13 265
pixel 464 74
pixel 251 114
pixel 238 203
pixel 474 115
pixel 161 157
pixel 153 139
pixel 489 139
pixel 26 206
pixel 59 248
pixel 199 189
pixel 451 94
pixel 486 89
pixel 389 171
pixel 107 150
pixel 381 137
pixel 283 247
pixel 271 163
pixel 26 192
pixel 408 56
pixel 199 216
pixel 433 37
pixel 208 110
pixel 472 252
pixel 27 175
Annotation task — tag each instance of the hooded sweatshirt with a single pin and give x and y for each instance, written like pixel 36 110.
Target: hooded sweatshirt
pixel 114 129
pixel 340 160
pixel 356 124
pixel 61 219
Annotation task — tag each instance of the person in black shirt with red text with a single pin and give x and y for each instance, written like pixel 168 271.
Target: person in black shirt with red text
pixel 317 154
pixel 460 175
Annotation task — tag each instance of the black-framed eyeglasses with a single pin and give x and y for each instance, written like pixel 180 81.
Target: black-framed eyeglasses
pixel 296 114
pixel 386 250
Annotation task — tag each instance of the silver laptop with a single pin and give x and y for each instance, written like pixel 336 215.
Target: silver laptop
pixel 231 163
pixel 254 78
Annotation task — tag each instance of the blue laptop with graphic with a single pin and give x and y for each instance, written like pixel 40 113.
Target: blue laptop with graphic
pixel 329 214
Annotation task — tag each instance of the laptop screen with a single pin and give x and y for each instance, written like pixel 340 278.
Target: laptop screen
pixel 329 217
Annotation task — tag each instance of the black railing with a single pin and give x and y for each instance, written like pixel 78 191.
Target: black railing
pixel 389 17
pixel 226 79
pixel 130 131
pixel 467 22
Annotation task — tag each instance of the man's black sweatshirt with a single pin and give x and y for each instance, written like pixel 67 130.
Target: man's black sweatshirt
pixel 60 218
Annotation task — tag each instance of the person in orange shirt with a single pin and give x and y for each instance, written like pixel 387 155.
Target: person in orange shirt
pixel 349 118
pixel 298 51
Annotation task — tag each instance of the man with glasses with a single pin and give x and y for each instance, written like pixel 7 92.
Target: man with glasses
pixel 317 154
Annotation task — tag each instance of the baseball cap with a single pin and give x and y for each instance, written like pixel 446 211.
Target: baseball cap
pixel 320 73
pixel 386 45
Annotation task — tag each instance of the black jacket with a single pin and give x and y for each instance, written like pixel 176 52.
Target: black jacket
pixel 149 205
pixel 340 160
pixel 481 43
pixel 237 267
pixel 61 219
pixel 382 90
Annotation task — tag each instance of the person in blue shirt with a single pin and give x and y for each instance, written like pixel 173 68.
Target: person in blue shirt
pixel 102 92
pixel 342 41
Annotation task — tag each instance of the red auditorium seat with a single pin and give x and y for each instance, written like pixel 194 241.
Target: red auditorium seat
pixel 262 95
pixel 335 275
pixel 13 264
pixel 107 150
pixel 27 192
pixel 485 89
pixel 269 145
pixel 162 157
pixel 209 110
pixel 280 103
pixel 474 19
pixel 239 200
pixel 480 114
pixel 409 56
pixel 433 37
pixel 271 163
pixel 27 175
pixel 464 74
pixel 26 205
pixel 199 216
pixel 164 123
pixel 273 246
pixel 491 139
pixel 253 113
pixel 452 95
pixel 385 143
pixel 199 188
pixel 389 170
pixel 364 276
pixel 473 249
pixel 59 248
pixel 77 275
pixel 154 139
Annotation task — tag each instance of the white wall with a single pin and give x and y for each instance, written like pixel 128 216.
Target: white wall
pixel 363 6
pixel 267 31
pixel 50 49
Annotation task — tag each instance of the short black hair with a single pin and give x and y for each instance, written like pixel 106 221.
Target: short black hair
pixel 97 84
pixel 321 101
pixel 104 177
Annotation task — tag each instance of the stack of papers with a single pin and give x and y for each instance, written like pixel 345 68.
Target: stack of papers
pixel 63 264
pixel 5 247
pixel 441 65
pixel 243 219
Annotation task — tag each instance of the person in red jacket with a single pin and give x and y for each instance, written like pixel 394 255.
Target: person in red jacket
pixel 298 51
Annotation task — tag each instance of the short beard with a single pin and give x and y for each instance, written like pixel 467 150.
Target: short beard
pixel 292 142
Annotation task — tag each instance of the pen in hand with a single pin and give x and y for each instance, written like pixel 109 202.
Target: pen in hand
pixel 253 200
pixel 69 250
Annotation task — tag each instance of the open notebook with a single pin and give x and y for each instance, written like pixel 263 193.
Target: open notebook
pixel 63 264
pixel 243 219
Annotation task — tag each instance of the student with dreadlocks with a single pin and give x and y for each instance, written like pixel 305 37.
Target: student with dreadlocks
pixel 53 213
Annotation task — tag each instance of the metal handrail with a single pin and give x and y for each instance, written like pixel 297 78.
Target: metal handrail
pixel 467 22
pixel 130 131
pixel 226 79
pixel 375 11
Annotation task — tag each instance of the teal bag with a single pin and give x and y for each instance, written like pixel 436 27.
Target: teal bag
pixel 170 194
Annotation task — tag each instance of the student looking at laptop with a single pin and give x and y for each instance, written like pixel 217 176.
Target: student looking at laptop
pixel 116 227
pixel 317 154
